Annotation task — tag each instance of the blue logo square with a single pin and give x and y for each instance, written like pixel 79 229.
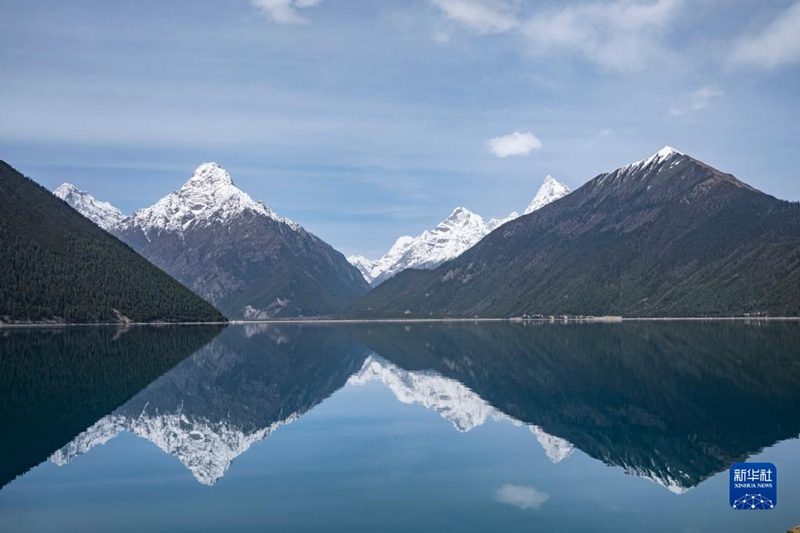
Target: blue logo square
pixel 753 486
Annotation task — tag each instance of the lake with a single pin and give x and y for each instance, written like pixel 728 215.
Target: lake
pixel 397 426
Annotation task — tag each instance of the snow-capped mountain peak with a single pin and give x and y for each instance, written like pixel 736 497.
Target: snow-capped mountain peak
pixel 211 183
pixel 668 151
pixel 662 155
pixel 453 236
pixel 209 196
pixel 103 214
pixel 454 402
pixel 550 191
pixel 207 448
pixel 497 222
pixel 556 448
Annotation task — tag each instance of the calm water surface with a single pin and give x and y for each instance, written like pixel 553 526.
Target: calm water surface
pixel 397 427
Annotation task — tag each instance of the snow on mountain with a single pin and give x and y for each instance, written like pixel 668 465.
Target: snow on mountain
pixel 456 234
pixel 371 269
pixel 451 399
pixel 207 448
pixel 641 169
pixel 495 223
pixel 556 448
pixel 103 214
pixel 453 236
pixel 671 482
pixel 364 265
pixel 662 155
pixel 238 254
pixel 209 196
pixel 550 191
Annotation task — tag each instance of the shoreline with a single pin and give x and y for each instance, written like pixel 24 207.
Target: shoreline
pixel 554 320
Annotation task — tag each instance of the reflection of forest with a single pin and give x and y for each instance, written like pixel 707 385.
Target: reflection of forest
pixel 678 400
pixel 233 392
pixel 55 383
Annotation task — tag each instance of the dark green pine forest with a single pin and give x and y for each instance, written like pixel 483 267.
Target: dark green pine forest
pixel 57 266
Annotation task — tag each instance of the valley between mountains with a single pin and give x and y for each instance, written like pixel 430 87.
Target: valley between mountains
pixel 665 236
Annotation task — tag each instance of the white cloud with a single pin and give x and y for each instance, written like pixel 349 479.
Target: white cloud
pixel 619 35
pixel 481 16
pixel 285 11
pixel 521 496
pixel 776 45
pixel 514 144
pixel 698 100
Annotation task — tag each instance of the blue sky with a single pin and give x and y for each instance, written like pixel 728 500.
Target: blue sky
pixel 367 120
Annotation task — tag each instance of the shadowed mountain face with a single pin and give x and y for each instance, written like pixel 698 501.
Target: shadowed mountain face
pixel 676 402
pixel 667 236
pixel 55 383
pixel 672 402
pixel 239 254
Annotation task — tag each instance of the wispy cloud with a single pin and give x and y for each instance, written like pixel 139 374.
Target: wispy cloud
pixel 481 16
pixel 441 37
pixel 621 35
pixel 521 496
pixel 698 100
pixel 777 44
pixel 285 11
pixel 400 185
pixel 514 144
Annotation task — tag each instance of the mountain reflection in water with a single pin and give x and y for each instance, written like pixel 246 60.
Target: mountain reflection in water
pixel 671 402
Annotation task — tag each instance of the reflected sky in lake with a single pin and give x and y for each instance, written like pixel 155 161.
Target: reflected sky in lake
pixel 433 427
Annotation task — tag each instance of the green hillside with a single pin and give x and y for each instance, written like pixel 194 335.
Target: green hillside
pixel 57 266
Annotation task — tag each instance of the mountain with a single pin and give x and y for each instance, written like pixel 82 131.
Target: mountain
pixel 59 267
pixel 665 236
pixel 54 383
pixel 452 237
pixel 234 392
pixel 662 400
pixel 451 399
pixel 103 214
pixel 240 389
pixel 550 191
pixel 239 254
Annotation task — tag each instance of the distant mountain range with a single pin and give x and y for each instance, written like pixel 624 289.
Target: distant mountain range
pixel 665 236
pixel 456 234
pixel 233 251
pixel 60 268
